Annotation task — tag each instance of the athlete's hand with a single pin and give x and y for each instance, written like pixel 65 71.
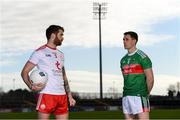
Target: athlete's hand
pixel 37 86
pixel 72 102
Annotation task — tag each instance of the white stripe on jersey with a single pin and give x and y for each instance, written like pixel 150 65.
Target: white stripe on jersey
pixel 141 53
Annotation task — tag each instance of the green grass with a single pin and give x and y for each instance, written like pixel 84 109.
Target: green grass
pixel 155 114
pixel 165 114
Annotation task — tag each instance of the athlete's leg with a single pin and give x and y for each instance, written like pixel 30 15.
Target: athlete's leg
pixel 61 111
pixel 62 117
pixel 129 116
pixel 145 108
pixel 43 116
pixel 126 108
pixel 143 116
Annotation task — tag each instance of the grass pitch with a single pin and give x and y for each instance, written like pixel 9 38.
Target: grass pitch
pixel 155 114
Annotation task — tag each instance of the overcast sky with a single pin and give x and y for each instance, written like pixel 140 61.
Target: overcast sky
pixel 157 22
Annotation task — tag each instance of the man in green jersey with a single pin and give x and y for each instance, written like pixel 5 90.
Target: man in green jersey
pixel 138 79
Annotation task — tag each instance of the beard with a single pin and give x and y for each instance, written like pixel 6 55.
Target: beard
pixel 57 41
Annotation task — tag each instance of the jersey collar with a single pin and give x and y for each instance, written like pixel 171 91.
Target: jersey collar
pixel 50 47
pixel 133 53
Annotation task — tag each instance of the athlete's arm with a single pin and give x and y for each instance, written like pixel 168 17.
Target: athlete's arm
pixel 149 78
pixel 67 88
pixel 25 76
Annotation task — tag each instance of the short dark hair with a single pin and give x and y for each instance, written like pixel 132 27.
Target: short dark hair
pixel 53 29
pixel 134 35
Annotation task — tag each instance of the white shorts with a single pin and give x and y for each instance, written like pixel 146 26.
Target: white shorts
pixel 135 105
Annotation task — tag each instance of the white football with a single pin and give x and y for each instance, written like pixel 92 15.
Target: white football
pixel 38 76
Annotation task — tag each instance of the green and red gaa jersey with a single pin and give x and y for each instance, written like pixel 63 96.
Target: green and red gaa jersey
pixel 133 66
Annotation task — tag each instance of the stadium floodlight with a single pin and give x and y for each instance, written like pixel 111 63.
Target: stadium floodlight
pixel 99 12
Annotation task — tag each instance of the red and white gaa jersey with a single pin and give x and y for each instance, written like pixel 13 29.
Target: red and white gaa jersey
pixel 51 61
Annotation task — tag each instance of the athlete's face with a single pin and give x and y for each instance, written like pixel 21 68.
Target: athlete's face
pixel 59 38
pixel 129 42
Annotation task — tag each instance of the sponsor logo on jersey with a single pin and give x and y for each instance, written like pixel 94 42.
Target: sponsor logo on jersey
pixel 48 55
pixel 132 69
pixel 57 72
